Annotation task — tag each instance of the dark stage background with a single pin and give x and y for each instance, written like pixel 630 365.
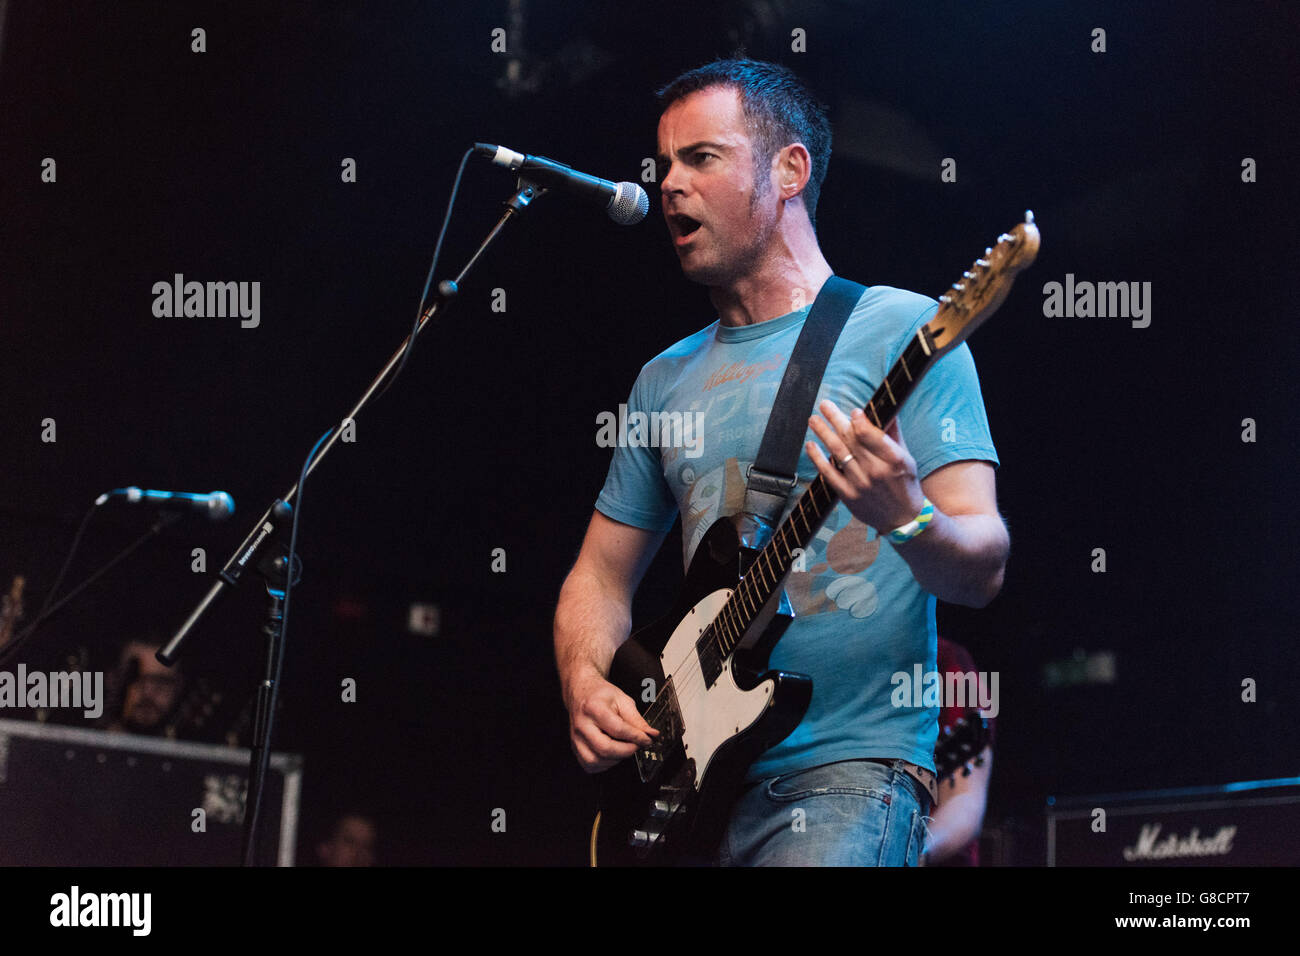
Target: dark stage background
pixel 226 165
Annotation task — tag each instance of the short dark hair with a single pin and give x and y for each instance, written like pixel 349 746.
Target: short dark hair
pixel 778 107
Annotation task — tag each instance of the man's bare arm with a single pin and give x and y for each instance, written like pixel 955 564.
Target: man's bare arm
pixel 593 617
pixel 961 557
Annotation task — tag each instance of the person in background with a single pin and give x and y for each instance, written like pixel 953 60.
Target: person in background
pixel 351 842
pixel 145 692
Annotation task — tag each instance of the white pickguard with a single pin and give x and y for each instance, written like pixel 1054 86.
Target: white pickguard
pixel 709 718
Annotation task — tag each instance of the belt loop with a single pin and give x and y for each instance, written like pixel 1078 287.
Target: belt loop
pixel 924 777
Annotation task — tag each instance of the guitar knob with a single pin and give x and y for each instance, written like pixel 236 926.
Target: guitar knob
pixel 643 837
pixel 660 809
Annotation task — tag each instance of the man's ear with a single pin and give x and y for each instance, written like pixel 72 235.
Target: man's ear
pixel 793 170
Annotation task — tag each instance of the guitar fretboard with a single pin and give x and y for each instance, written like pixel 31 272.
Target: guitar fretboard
pixel 765 575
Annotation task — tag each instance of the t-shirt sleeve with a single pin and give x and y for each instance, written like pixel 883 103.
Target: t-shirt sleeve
pixel 944 420
pixel 635 491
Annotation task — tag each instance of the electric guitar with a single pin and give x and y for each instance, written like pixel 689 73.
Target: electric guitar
pixel 700 673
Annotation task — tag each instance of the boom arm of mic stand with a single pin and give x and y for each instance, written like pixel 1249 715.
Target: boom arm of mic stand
pixel 265 526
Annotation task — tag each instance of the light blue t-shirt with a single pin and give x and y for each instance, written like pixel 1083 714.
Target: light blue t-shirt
pixel 860 616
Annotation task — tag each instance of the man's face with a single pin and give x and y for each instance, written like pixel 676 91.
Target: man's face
pixel 719 218
pixel 152 695
pixel 352 844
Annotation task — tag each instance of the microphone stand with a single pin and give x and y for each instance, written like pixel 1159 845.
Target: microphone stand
pixel 270 527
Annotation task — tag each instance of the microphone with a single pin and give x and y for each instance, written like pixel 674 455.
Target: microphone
pixel 626 203
pixel 217 505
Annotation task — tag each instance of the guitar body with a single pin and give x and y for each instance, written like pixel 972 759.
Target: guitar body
pixel 671 805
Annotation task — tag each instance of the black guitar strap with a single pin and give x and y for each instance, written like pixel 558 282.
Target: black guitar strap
pixel 774 473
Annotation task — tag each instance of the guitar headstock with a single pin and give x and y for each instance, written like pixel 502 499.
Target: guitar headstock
pixel 983 286
pixel 960 744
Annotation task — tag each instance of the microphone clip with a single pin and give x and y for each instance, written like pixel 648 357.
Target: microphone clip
pixel 526 190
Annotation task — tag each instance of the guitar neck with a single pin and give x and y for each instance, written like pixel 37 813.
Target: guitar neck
pixel 791 539
pixel 970 301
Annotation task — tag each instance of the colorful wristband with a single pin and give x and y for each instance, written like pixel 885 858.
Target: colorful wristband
pixel 914 527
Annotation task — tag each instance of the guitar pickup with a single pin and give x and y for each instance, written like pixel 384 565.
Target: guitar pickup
pixel 710 660
pixel 668 721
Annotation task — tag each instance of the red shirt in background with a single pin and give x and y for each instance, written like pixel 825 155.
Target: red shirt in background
pixel 953 658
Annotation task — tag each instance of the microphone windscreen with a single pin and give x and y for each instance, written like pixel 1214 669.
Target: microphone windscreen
pixel 629 205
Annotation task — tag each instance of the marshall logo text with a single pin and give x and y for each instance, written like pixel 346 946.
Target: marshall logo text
pixel 1151 846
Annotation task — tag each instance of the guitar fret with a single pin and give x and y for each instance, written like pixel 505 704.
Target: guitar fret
pixel 777 569
pixel 892 400
pixel 727 640
pixel 799 511
pixel 742 614
pixel 871 407
pixel 902 360
pixel 784 558
pixel 920 337
pixel 741 591
pixel 813 487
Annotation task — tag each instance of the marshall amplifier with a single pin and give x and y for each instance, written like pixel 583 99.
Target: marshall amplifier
pixel 1254 823
pixel 74 797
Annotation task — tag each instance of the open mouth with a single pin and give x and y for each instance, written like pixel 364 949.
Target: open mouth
pixel 683 226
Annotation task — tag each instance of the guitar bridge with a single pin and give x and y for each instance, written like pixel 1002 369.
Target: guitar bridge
pixel 666 719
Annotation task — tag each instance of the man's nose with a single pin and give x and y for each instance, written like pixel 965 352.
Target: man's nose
pixel 673 180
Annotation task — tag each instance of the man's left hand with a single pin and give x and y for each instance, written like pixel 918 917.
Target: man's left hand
pixel 876 477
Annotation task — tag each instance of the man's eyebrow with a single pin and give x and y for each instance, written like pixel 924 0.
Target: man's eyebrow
pixel 687 150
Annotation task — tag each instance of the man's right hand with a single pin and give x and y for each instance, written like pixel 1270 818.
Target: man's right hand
pixel 604 724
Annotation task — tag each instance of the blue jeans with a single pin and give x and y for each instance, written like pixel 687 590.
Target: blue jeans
pixel 848 813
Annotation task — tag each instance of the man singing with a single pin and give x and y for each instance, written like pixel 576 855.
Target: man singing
pixel 743 149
